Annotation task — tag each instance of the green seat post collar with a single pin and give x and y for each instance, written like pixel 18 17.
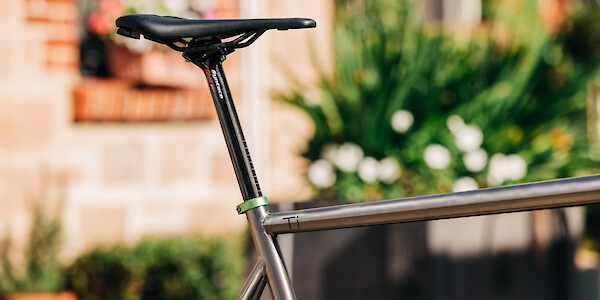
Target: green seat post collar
pixel 252 203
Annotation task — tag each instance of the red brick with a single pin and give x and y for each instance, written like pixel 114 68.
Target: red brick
pixel 158 108
pixel 108 104
pixel 111 109
pixel 97 100
pixel 114 100
pixel 167 108
pixel 52 12
pixel 143 107
pixel 62 11
pixel 182 107
pixel 70 43
pixel 46 20
pixel 71 67
pixel 132 105
pixel 62 32
pixel 81 105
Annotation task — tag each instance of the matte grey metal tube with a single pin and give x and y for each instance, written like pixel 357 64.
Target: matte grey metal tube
pixel 259 289
pixel 537 195
pixel 252 284
pixel 266 246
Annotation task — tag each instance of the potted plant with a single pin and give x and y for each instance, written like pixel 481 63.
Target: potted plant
pixel 144 62
pixel 38 275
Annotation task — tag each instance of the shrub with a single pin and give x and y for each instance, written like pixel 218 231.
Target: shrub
pixel 413 109
pixel 40 270
pixel 174 268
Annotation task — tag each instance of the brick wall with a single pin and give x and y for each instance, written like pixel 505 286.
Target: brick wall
pixel 55 23
pixel 128 162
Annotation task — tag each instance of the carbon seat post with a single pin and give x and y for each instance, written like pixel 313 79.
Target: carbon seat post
pixel 266 244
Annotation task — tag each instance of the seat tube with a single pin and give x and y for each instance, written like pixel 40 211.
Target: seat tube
pixel 266 244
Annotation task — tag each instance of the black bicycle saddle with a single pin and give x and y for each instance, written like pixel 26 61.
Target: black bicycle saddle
pixel 165 29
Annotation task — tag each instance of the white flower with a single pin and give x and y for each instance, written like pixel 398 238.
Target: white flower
pixel 348 157
pixel 516 167
pixel 476 160
pixel 321 173
pixel 402 120
pixel 497 169
pixel 437 156
pixel 454 123
pixel 468 138
pixel 388 170
pixel 367 170
pixel 465 184
pixel 329 152
pixel 503 167
pixel 494 181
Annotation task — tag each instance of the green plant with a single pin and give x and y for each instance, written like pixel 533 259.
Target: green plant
pixel 40 270
pixel 413 109
pixel 174 268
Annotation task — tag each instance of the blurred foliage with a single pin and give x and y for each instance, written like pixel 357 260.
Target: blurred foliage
pixel 156 269
pixel 592 226
pixel 42 271
pixel 511 80
pixel 34 267
pixel 583 35
pixel 582 43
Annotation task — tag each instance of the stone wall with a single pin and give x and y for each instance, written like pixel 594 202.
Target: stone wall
pixel 118 180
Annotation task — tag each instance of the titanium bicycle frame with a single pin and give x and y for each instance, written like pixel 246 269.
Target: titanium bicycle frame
pixel 265 226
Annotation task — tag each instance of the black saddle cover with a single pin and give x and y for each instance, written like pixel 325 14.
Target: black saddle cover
pixel 165 28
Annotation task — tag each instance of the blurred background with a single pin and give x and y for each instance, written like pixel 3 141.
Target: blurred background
pixel 115 182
